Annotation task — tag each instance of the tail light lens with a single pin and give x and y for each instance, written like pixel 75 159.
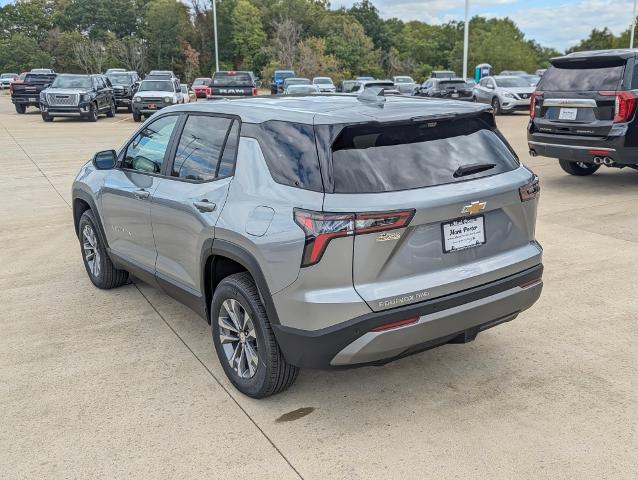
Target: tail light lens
pixel 320 228
pixel 531 190
pixel 254 91
pixel 624 105
pixel 397 324
pixel 209 91
pixel 532 103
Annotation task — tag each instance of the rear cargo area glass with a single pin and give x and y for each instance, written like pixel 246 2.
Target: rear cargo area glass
pixel 583 77
pixel 375 158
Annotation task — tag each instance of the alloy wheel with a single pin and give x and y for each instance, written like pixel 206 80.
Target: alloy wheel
pixel 91 251
pixel 238 339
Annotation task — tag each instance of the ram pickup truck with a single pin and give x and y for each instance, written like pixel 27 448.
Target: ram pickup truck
pixel 27 93
pixel 232 84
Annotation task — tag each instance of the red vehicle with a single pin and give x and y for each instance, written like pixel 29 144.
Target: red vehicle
pixel 202 87
pixel 18 80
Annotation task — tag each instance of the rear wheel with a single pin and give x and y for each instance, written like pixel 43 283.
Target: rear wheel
pixel 580 169
pixel 496 106
pixel 20 108
pixel 93 113
pixel 96 261
pixel 244 340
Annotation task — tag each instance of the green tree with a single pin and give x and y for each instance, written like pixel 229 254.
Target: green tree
pixel 373 25
pixel 31 18
pixel 19 53
pixel 98 17
pixel 167 24
pixel 248 36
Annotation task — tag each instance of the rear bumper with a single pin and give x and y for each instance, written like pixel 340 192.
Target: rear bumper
pixel 35 102
pixel 581 148
pixel 455 318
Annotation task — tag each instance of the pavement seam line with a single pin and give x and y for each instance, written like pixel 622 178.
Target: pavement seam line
pixel 233 399
pixel 210 372
pixel 34 163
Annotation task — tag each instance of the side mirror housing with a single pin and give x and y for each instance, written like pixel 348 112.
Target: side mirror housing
pixel 105 160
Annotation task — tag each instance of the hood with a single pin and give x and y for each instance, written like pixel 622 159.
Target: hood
pixel 154 93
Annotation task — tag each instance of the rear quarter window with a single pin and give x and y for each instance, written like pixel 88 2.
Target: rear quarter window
pixel 372 158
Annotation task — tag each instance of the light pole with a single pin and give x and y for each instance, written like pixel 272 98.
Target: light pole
pixel 466 36
pixel 215 31
pixel 633 27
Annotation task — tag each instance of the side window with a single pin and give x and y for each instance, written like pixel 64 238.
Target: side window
pixel 227 162
pixel 200 147
pixel 146 152
pixel 99 83
pixel 482 82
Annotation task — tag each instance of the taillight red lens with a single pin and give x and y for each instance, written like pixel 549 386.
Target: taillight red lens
pixel 532 103
pixel 397 324
pixel 531 190
pixel 320 228
pixel 624 105
pixel 254 92
pixel 209 92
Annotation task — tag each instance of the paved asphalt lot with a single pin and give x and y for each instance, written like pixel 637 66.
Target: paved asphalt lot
pixel 125 383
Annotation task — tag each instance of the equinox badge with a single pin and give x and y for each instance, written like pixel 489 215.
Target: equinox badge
pixel 474 207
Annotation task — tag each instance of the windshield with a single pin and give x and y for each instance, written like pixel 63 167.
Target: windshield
pixel 156 86
pixel 201 81
pixel 583 77
pixel 297 81
pixel 120 78
pixel 323 81
pixel 513 82
pixel 232 78
pixel 71 81
pixel 403 80
pixel 284 75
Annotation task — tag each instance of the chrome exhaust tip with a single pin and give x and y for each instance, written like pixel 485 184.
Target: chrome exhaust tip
pixel 608 161
pixel 598 160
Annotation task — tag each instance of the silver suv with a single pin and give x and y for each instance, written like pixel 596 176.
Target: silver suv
pixel 318 231
pixel 506 94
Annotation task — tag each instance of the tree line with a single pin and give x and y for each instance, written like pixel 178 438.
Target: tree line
pixel 258 35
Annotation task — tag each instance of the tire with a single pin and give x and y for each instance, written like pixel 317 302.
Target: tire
pixel 272 373
pixel 496 106
pixel 98 267
pixel 129 109
pixel 111 111
pixel 93 113
pixel 579 169
pixel 20 108
pixel 136 116
pixel 46 117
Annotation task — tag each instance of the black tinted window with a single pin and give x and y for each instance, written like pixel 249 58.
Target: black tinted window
pixel 582 77
pixel 290 152
pixel 200 147
pixel 232 78
pixel 371 159
pixel 146 152
pixel 227 162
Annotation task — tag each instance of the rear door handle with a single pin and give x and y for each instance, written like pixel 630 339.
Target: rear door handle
pixel 141 194
pixel 205 206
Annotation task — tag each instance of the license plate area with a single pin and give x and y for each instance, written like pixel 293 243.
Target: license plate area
pixel 152 106
pixel 463 233
pixel 567 113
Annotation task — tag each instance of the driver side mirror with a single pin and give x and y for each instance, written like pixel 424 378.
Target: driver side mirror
pixel 105 160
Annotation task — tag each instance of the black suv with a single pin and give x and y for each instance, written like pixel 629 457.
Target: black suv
pixel 84 96
pixel 583 111
pixel 125 84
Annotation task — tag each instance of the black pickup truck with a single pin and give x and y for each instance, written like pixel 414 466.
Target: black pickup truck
pixel 27 93
pixel 233 84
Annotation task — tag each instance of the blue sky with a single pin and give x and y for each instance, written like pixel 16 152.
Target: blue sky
pixel 553 23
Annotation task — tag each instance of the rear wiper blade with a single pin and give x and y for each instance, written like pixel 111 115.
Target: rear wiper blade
pixel 472 168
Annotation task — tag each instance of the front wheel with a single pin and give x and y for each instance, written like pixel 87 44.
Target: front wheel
pixel 111 111
pixel 20 108
pixel 580 169
pixel 244 340
pixel 93 113
pixel 96 261
pixel 136 116
pixel 496 106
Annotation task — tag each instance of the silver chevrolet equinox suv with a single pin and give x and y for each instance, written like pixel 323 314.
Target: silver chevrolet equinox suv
pixel 318 231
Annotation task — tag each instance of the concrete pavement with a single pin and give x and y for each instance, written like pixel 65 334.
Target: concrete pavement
pixel 125 383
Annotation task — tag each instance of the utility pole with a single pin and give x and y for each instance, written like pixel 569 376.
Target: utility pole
pixel 633 27
pixel 215 30
pixel 466 35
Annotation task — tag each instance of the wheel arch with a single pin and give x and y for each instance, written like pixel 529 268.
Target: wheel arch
pixel 82 202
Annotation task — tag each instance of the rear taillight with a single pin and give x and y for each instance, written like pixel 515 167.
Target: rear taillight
pixel 624 105
pixel 254 92
pixel 320 228
pixel 531 190
pixel 209 91
pixel 532 103
pixel 397 324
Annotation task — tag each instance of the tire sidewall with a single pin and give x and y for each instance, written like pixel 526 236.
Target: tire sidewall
pixel 87 218
pixel 249 386
pixel 496 105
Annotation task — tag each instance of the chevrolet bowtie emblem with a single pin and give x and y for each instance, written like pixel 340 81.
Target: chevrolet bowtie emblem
pixel 474 207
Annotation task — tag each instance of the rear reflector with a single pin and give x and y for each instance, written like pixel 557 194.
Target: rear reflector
pixel 320 228
pixel 624 105
pixel 397 324
pixel 531 282
pixel 598 152
pixel 531 190
pixel 532 103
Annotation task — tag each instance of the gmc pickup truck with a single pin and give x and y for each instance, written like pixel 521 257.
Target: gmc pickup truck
pixel 27 93
pixel 232 84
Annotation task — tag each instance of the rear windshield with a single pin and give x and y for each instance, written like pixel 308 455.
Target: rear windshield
pixel 284 75
pixel 582 77
pixel 372 159
pixel 120 78
pixel 452 83
pixel 234 78
pixel 201 81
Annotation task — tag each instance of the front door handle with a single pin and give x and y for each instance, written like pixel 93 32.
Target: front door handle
pixel 141 194
pixel 205 206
